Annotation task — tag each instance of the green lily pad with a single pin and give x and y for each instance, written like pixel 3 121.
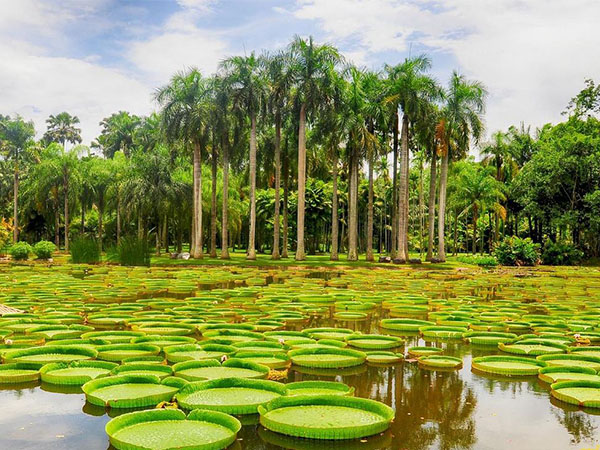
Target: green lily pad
pixel 167 429
pixel 75 373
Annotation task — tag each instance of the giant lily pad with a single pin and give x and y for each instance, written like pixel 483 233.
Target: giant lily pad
pixel 326 417
pixel 167 429
pixel 75 373
pixel 327 357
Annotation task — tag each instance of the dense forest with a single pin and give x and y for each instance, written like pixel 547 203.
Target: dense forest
pixel 300 152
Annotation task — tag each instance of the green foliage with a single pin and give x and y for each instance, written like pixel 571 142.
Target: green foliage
pixel 44 249
pixel 20 251
pixel 561 254
pixel 482 261
pixel 133 251
pixel 85 250
pixel 514 251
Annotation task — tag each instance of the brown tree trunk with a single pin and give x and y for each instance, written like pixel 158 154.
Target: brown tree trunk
pixel 431 206
pixel 286 190
pixel 16 204
pixel 252 237
pixel 300 253
pixel 82 216
pixel 276 218
pixel 403 193
pixel 213 203
pixel 225 205
pixel 197 208
pixel 66 192
pixel 421 209
pixel 335 224
pixel 394 238
pixel 165 233
pixel 442 208
pixel 353 207
pixel 369 254
pixel 118 218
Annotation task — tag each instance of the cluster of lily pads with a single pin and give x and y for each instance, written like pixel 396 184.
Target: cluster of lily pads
pixel 210 342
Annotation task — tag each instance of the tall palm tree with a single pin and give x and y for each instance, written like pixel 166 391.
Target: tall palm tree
pixel 118 133
pixel 481 191
pixel 360 141
pixel 462 123
pixel 248 90
pixel 278 76
pixel 16 135
pixel 62 129
pixel 312 69
pixel 410 89
pixel 185 115
pixel 495 153
pixel 221 111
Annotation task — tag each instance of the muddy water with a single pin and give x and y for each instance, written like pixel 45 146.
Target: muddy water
pixel 434 410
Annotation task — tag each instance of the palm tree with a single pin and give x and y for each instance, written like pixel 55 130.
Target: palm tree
pixel 496 152
pixel 481 191
pixel 462 122
pixel 221 106
pixel 185 112
pixel 62 129
pixel 355 121
pixel 248 94
pixel 118 133
pixel 103 178
pixel 312 69
pixel 16 135
pixel 410 90
pixel 278 77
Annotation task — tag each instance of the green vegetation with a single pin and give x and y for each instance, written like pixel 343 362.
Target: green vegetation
pixel 20 251
pixel 44 249
pixel 85 250
pixel 305 154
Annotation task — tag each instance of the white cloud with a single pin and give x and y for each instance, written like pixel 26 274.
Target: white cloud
pixel 36 86
pixel 533 55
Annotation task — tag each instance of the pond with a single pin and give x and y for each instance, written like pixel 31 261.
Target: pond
pixel 456 409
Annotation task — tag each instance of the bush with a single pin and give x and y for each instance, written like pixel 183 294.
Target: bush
pixel 20 251
pixel 514 251
pixel 85 250
pixel 44 249
pixel 482 261
pixel 561 254
pixel 133 252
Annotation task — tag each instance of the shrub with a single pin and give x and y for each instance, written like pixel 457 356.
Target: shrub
pixel 85 250
pixel 561 254
pixel 20 251
pixel 6 231
pixel 482 261
pixel 44 249
pixel 132 251
pixel 514 251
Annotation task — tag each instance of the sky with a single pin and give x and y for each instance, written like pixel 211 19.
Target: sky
pixel 96 57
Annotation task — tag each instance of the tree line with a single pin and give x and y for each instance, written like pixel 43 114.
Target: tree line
pixel 297 150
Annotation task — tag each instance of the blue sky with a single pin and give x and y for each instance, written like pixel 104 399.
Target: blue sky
pixel 95 57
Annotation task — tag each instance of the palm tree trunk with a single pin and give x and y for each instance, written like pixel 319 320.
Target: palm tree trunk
pixel 140 230
pixel 56 225
pixel 225 205
pixel 157 236
pixel 421 208
pixel 300 253
pixel 16 204
pixel 455 234
pixel 100 225
pixel 197 209
pixel 165 233
pixel 66 191
pixel 442 208
pixel 335 224
pixel 252 237
pixel 213 204
pixel 403 193
pixel 369 255
pixel 353 207
pixel 276 218
pixel 395 190
pixel 474 232
pixel 286 190
pixel 82 215
pixel 118 218
pixel 431 205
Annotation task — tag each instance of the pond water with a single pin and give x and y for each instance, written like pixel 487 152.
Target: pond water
pixel 434 409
